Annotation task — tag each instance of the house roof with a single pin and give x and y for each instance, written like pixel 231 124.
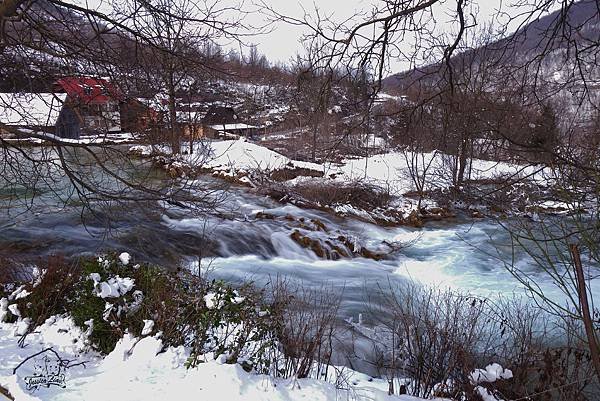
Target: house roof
pixel 89 90
pixel 30 109
pixel 232 127
pixel 220 115
pixel 193 117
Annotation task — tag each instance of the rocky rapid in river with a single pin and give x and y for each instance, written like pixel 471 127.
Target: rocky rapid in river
pixel 254 238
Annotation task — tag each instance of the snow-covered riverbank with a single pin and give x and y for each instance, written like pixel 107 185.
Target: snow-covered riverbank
pixel 107 337
pixel 134 371
pixel 394 173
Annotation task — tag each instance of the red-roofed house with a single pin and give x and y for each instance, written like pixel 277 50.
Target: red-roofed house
pixel 91 106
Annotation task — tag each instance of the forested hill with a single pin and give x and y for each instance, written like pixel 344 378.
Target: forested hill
pixel 557 36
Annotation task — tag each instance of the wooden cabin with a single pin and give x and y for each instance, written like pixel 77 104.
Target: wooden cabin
pixel 92 105
pixel 223 122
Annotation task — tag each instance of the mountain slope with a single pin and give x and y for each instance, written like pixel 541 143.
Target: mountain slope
pixel 556 35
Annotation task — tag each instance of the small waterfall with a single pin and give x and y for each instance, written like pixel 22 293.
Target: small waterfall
pixel 287 248
pixel 253 234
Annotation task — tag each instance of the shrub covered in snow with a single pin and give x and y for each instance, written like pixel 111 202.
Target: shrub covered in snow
pixel 109 297
pixel 426 343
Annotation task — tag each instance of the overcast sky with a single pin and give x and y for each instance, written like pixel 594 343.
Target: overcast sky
pixel 283 42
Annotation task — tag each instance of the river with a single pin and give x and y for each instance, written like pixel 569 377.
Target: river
pixel 233 244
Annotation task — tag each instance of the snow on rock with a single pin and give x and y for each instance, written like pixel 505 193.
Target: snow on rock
pixel 148 327
pixel 351 210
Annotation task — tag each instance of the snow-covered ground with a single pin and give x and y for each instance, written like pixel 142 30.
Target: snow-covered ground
pixel 241 155
pixel 233 158
pixel 106 138
pixel 392 170
pixel 135 370
pixel 388 170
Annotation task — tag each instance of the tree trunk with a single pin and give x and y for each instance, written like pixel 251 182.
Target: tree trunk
pixel 462 163
pixel 175 143
pixel 585 309
pixel 314 143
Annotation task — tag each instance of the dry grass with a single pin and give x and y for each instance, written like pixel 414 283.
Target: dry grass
pixel 12 271
pixel 358 194
pixel 307 328
pixel 286 174
pixel 424 337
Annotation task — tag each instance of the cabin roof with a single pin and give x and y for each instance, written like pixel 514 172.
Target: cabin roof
pixel 232 127
pixel 220 115
pixel 30 109
pixel 89 90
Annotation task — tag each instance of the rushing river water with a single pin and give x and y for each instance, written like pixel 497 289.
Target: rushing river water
pixel 463 255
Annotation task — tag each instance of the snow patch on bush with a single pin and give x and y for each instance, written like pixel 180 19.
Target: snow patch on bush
pixel 490 374
pixel 125 258
pixel 148 327
pixel 114 287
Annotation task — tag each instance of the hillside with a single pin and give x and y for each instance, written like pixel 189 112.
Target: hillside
pixel 555 35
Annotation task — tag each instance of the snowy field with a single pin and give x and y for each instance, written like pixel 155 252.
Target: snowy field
pixel 134 371
pixel 388 170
